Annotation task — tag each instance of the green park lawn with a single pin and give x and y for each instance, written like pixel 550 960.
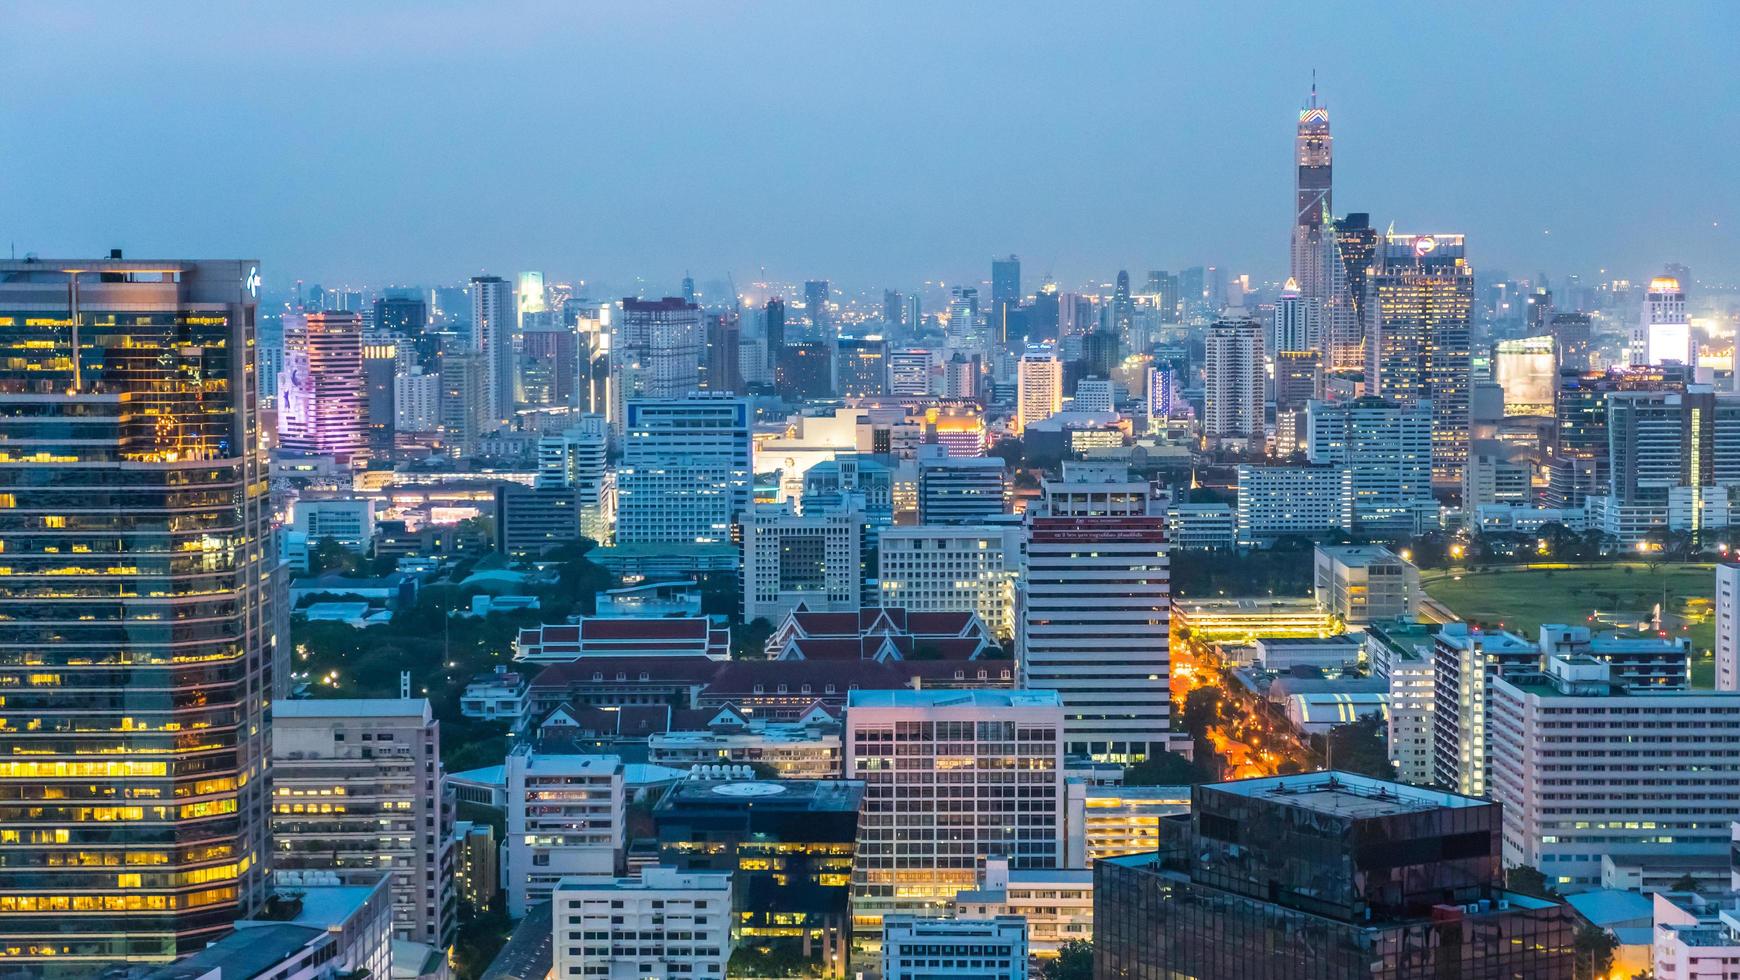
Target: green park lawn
pixel 1620 595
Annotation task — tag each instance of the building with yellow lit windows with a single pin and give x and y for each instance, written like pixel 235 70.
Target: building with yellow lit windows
pixel 138 645
pixel 357 783
pixel 1417 338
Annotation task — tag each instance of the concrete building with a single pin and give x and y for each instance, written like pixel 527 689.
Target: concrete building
pixel 348 521
pixel 1465 662
pixel 1419 295
pixel 657 351
pixel 1282 501
pixel 1039 388
pixel 661 923
pixel 991 761
pixel 1727 603
pixel 417 401
pixel 1093 395
pixel 465 401
pixel 1202 527
pixel 954 568
pixel 565 816
pixel 685 472
pixel 1093 609
pixel 922 948
pixel 494 323
pixel 1386 449
pixel 1118 820
pixel 1402 653
pixel 1235 382
pixel 961 490
pixel 811 558
pixel 1056 904
pixel 358 784
pixel 323 391
pixel 1365 584
pixel 1586 767
pixel 808 748
pixel 1491 479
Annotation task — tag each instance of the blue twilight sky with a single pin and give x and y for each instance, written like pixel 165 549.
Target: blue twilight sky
pixel 870 143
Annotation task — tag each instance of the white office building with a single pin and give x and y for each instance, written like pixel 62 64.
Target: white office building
pixel 1465 662
pixel 811 558
pixel 349 521
pixel 494 321
pixel 952 568
pixel 661 923
pixel 1365 583
pixel 960 489
pixel 921 948
pixel 1386 448
pixel 1728 626
pixel 1277 501
pixel 951 777
pixel 565 816
pixel 1093 395
pixel 685 472
pixel 657 348
pixel 1038 388
pixel 1586 767
pixel 1056 903
pixel 577 459
pixel 1093 611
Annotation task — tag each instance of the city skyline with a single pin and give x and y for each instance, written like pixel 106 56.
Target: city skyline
pixel 341 153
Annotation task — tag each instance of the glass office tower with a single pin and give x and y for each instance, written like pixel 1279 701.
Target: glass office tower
pixel 138 639
pixel 1325 876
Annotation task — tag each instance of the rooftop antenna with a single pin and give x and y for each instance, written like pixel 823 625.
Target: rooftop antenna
pixel 1313 88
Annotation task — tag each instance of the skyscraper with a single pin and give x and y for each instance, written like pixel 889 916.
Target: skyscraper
pixel 1417 304
pixel 381 360
pixel 817 296
pixel 1233 389
pixel 657 351
pixel 963 311
pixel 1038 388
pixel 138 700
pixel 724 339
pixel 1663 335
pixel 1351 244
pixel 1123 307
pixel 1386 448
pixel 1005 296
pixel 323 393
pixel 1312 204
pixel 1298 320
pixel 1093 612
pixel 494 320
pixel 773 330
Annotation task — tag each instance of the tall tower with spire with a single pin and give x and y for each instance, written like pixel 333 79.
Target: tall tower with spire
pixel 1312 204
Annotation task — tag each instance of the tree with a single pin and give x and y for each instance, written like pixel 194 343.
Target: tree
pixel 1684 883
pixel 1075 961
pixel 1526 880
pixel 1165 769
pixel 1202 709
pixel 1592 952
pixel 750 640
pixel 1359 747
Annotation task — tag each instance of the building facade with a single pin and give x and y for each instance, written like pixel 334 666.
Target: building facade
pixel 957 568
pixel 685 472
pixel 661 923
pixel 565 816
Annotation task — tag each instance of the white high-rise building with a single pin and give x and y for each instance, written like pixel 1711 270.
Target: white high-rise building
pixel 1386 447
pixel 417 401
pixel 1402 653
pixel 810 558
pixel 1586 767
pixel 494 321
pixel 1663 334
pixel 1233 393
pixel 685 472
pixel 1298 320
pixel 1466 661
pixel 955 568
pixel 910 373
pixel 951 777
pixel 955 489
pixel 1728 626
pixel 357 783
pixel 1093 395
pixel 1038 388
pixel 662 923
pixel 1093 613
pixel 565 816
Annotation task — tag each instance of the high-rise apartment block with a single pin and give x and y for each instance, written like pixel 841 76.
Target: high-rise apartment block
pixel 1418 345
pixel 1094 609
pixel 656 352
pixel 812 558
pixel 494 324
pixel 1728 626
pixel 323 391
pixel 565 816
pixel 357 783
pixel 1386 449
pixel 139 653
pixel 1039 388
pixel 1234 389
pixel 950 778
pixel 1663 334
pixel 685 472
pixel 660 923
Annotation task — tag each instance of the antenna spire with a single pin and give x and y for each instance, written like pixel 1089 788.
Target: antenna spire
pixel 1313 88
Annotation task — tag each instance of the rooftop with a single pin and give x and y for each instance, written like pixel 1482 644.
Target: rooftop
pixel 1345 794
pixel 241 955
pixel 353 708
pixel 975 698
pixel 829 795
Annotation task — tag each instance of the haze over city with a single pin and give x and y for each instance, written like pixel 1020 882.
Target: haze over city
pixel 889 143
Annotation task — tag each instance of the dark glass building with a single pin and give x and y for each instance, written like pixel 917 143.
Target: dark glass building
pixel 1325 876
pixel 138 627
pixel 788 845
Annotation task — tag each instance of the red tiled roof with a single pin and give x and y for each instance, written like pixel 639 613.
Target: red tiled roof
pixel 642 629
